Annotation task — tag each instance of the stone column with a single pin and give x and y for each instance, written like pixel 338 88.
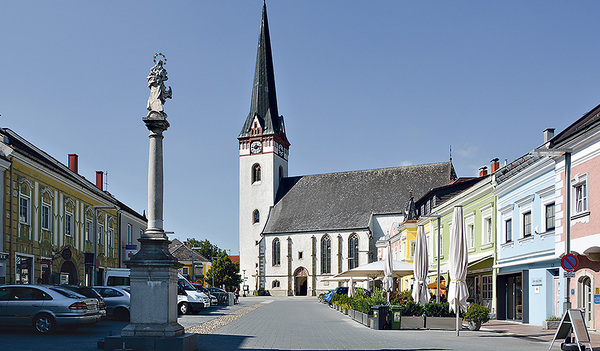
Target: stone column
pixel 153 270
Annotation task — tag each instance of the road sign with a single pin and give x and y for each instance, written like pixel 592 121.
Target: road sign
pixel 569 274
pixel 569 262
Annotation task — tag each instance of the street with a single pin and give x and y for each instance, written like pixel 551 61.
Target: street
pixel 295 323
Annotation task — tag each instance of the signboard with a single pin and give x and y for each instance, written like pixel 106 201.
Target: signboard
pixel 596 298
pixel 572 322
pixel 569 274
pixel 536 282
pixel 569 262
pixel 130 250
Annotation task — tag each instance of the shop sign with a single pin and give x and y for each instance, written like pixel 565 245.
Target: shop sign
pixel 596 298
pixel 130 250
pixel 536 282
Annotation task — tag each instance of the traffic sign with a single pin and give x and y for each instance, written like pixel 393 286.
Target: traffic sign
pixel 569 262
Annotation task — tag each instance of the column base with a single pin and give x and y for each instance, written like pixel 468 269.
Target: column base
pixel 185 342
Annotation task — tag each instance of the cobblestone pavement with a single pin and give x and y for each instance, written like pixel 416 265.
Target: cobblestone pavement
pixel 296 323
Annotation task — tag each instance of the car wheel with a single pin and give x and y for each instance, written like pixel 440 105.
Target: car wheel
pixel 44 323
pixel 183 308
pixel 121 314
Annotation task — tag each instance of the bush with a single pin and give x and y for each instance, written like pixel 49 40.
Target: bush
pixel 411 308
pixel 477 313
pixel 378 297
pixel 434 309
pixel 553 318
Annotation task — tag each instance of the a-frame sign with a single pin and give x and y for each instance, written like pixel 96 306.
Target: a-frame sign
pixel 572 321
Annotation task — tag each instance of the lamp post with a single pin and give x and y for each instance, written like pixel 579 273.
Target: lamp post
pixel 567 153
pixel 96 208
pixel 439 250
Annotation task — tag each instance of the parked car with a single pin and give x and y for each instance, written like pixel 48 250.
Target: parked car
pixel 87 292
pixel 189 299
pixel 342 290
pixel 213 298
pixel 221 294
pixel 117 301
pixel 46 307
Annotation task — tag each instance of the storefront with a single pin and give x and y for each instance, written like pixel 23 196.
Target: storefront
pixel 511 303
pixel 24 269
pixel 3 258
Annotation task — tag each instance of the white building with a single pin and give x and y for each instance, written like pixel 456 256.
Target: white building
pixel 297 231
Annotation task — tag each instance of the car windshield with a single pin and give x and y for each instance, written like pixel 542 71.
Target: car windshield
pixel 186 285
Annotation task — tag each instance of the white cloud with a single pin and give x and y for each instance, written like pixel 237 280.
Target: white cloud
pixel 406 163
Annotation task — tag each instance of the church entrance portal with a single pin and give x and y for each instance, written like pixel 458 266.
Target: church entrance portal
pixel 301 282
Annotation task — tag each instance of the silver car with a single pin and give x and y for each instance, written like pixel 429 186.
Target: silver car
pixel 117 301
pixel 46 307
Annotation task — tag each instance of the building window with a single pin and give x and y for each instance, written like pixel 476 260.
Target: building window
pixel 111 235
pixel 46 213
pixel 276 284
pixel 68 224
pixel 550 217
pixel 276 252
pixel 413 246
pixel 255 216
pixel 129 232
pixel 486 286
pixel 326 254
pixel 185 271
pixel 527 224
pixel 88 231
pixel 24 206
pixel 508 230
pixel 256 173
pixel 300 254
pixel 353 251
pixel 487 230
pixel 100 235
pixel 581 198
pixel 471 236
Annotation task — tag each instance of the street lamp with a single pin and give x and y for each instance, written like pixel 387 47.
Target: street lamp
pixel 567 153
pixel 96 208
pixel 439 250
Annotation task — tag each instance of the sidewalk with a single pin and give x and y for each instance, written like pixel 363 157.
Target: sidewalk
pixel 532 332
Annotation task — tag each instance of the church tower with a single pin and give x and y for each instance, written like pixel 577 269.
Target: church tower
pixel 263 148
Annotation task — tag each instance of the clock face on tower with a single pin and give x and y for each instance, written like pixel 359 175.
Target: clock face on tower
pixel 256 147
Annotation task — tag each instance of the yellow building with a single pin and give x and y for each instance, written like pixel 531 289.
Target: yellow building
pixel 195 265
pixel 49 211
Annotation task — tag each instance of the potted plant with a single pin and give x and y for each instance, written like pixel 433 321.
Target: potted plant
pixel 412 316
pixel 551 322
pixel 475 315
pixel 438 316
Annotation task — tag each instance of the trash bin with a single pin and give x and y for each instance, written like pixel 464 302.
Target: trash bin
pixel 380 313
pixel 395 312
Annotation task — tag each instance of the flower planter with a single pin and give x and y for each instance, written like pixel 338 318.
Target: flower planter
pixel 365 319
pixel 357 316
pixel 550 324
pixel 351 313
pixel 412 322
pixel 345 311
pixel 441 322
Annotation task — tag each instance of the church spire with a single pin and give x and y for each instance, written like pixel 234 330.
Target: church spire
pixel 264 100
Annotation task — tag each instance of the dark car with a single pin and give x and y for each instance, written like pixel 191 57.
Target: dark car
pixel 87 292
pixel 342 290
pixel 221 295
pixel 213 298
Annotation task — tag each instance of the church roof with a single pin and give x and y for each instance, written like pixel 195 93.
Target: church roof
pixel 345 201
pixel 264 99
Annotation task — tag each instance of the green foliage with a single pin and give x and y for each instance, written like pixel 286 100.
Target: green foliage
pixel 361 303
pixel 378 297
pixel 411 308
pixel 477 313
pixel 434 309
pixel 553 318
pixel 204 247
pixel 225 272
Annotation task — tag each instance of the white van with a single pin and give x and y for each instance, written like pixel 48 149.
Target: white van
pixel 188 298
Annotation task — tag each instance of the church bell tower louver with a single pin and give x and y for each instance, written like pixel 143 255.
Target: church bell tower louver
pixel 263 152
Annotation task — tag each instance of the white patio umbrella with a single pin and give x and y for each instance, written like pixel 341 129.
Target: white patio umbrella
pixel 351 287
pixel 458 260
pixel 375 269
pixel 421 263
pixel 388 270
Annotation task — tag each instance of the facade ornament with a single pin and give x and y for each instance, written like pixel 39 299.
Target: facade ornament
pixel 410 211
pixel 70 201
pixel 47 191
pixel 158 91
pixel 23 180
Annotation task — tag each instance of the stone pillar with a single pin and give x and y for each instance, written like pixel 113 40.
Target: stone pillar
pixel 153 270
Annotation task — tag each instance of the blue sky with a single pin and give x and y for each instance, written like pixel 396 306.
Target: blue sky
pixel 361 85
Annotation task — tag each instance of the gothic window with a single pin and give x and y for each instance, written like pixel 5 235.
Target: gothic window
pixel 276 252
pixel 256 173
pixel 353 251
pixel 46 215
pixel 326 254
pixel 255 216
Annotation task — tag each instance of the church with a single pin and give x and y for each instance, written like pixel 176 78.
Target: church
pixel 297 232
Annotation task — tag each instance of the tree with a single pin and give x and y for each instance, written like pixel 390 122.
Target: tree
pixel 203 247
pixel 225 272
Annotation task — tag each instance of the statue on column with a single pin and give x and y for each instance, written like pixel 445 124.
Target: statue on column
pixel 158 92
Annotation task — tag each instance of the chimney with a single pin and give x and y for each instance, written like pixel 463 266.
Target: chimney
pixel 74 163
pixel 548 134
pixel 483 171
pixel 99 179
pixel 495 165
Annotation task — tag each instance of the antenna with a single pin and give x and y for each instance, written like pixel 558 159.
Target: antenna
pixel 450 153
